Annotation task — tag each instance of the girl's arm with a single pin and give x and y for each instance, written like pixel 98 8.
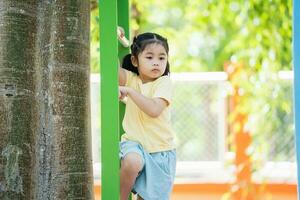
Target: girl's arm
pixel 122 76
pixel 151 106
pixel 122 39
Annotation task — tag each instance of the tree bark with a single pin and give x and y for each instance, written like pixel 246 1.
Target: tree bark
pixel 18 103
pixel 45 150
pixel 64 161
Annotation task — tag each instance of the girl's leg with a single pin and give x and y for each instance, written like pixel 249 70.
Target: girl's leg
pixel 139 198
pixel 131 165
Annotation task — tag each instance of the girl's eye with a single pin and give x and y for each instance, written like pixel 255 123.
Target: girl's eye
pixel 149 57
pixel 162 58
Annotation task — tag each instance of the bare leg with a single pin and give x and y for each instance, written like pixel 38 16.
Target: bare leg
pixel 139 198
pixel 131 165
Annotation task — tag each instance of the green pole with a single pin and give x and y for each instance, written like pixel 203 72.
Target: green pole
pixel 110 179
pixel 123 21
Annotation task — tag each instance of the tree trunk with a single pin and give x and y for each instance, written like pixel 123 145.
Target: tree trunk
pixel 18 119
pixel 44 100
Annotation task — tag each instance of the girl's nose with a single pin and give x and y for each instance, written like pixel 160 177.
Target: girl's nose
pixel 155 63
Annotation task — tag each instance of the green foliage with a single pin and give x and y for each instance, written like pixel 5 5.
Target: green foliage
pixel 205 34
pixel 94 35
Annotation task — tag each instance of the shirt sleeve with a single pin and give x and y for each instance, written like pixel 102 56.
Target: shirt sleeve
pixel 129 77
pixel 163 89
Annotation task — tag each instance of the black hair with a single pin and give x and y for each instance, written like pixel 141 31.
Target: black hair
pixel 139 44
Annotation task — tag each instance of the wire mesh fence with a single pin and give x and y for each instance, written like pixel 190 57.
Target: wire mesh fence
pixel 281 142
pixel 199 118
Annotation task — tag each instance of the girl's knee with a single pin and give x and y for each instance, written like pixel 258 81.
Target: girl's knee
pixel 132 162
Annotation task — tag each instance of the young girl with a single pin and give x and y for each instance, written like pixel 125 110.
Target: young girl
pixel 147 151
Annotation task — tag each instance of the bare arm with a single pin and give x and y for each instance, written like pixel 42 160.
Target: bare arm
pixel 122 76
pixel 151 106
pixel 122 72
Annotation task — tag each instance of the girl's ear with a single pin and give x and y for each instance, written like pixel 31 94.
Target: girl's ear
pixel 134 61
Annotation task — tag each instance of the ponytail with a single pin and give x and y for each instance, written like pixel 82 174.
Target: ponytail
pixel 127 64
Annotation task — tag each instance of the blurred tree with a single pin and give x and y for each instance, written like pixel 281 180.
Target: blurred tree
pixel 94 35
pixel 205 34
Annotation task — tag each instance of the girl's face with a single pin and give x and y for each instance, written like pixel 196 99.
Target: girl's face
pixel 151 62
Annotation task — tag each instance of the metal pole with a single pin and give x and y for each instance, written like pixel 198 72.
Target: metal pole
pixel 123 21
pixel 109 100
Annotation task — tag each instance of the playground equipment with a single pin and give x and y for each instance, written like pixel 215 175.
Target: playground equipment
pixel 112 14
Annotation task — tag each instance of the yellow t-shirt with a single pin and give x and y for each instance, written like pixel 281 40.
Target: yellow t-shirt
pixel 154 134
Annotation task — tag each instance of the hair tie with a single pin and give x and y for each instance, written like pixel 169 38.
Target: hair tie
pixel 134 44
pixel 134 39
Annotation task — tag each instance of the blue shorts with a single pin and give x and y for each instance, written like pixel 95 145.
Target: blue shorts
pixel 155 181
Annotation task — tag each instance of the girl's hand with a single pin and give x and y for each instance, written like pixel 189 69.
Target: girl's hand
pixel 121 36
pixel 120 95
pixel 151 106
pixel 121 32
pixel 123 92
